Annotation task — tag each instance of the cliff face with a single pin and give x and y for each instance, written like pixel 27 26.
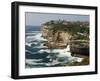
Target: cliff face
pixel 59 35
pixel 45 31
pixel 59 39
pixel 80 47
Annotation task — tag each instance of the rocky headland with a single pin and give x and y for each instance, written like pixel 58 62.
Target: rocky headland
pixel 59 34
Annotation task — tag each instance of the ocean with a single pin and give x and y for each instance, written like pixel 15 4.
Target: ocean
pixel 37 55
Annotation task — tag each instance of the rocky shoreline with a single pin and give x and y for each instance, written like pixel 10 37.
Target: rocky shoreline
pixel 59 38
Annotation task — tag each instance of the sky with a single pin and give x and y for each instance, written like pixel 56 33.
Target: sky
pixel 36 19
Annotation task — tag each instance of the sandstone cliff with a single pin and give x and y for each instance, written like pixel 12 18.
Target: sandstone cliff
pixel 59 39
pixel 60 34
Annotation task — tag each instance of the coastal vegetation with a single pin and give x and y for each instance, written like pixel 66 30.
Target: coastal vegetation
pixel 74 28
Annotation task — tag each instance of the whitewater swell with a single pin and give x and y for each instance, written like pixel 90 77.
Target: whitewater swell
pixel 38 55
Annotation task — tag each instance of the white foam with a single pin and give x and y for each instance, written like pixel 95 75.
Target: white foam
pixel 33 61
pixel 44 50
pixel 63 52
pixel 30 38
pixel 39 37
pixel 34 36
pixel 28 44
pixel 78 59
pixel 28 51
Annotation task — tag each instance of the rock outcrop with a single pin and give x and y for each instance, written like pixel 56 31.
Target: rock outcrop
pixel 59 39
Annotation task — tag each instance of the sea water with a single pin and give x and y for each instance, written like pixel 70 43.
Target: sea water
pixel 38 55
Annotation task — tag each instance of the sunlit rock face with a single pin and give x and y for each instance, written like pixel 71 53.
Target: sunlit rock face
pixel 45 31
pixel 59 39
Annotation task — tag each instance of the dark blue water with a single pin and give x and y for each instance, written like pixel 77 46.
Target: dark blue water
pixel 32 28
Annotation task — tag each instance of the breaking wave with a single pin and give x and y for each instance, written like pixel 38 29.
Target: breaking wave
pixel 38 55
